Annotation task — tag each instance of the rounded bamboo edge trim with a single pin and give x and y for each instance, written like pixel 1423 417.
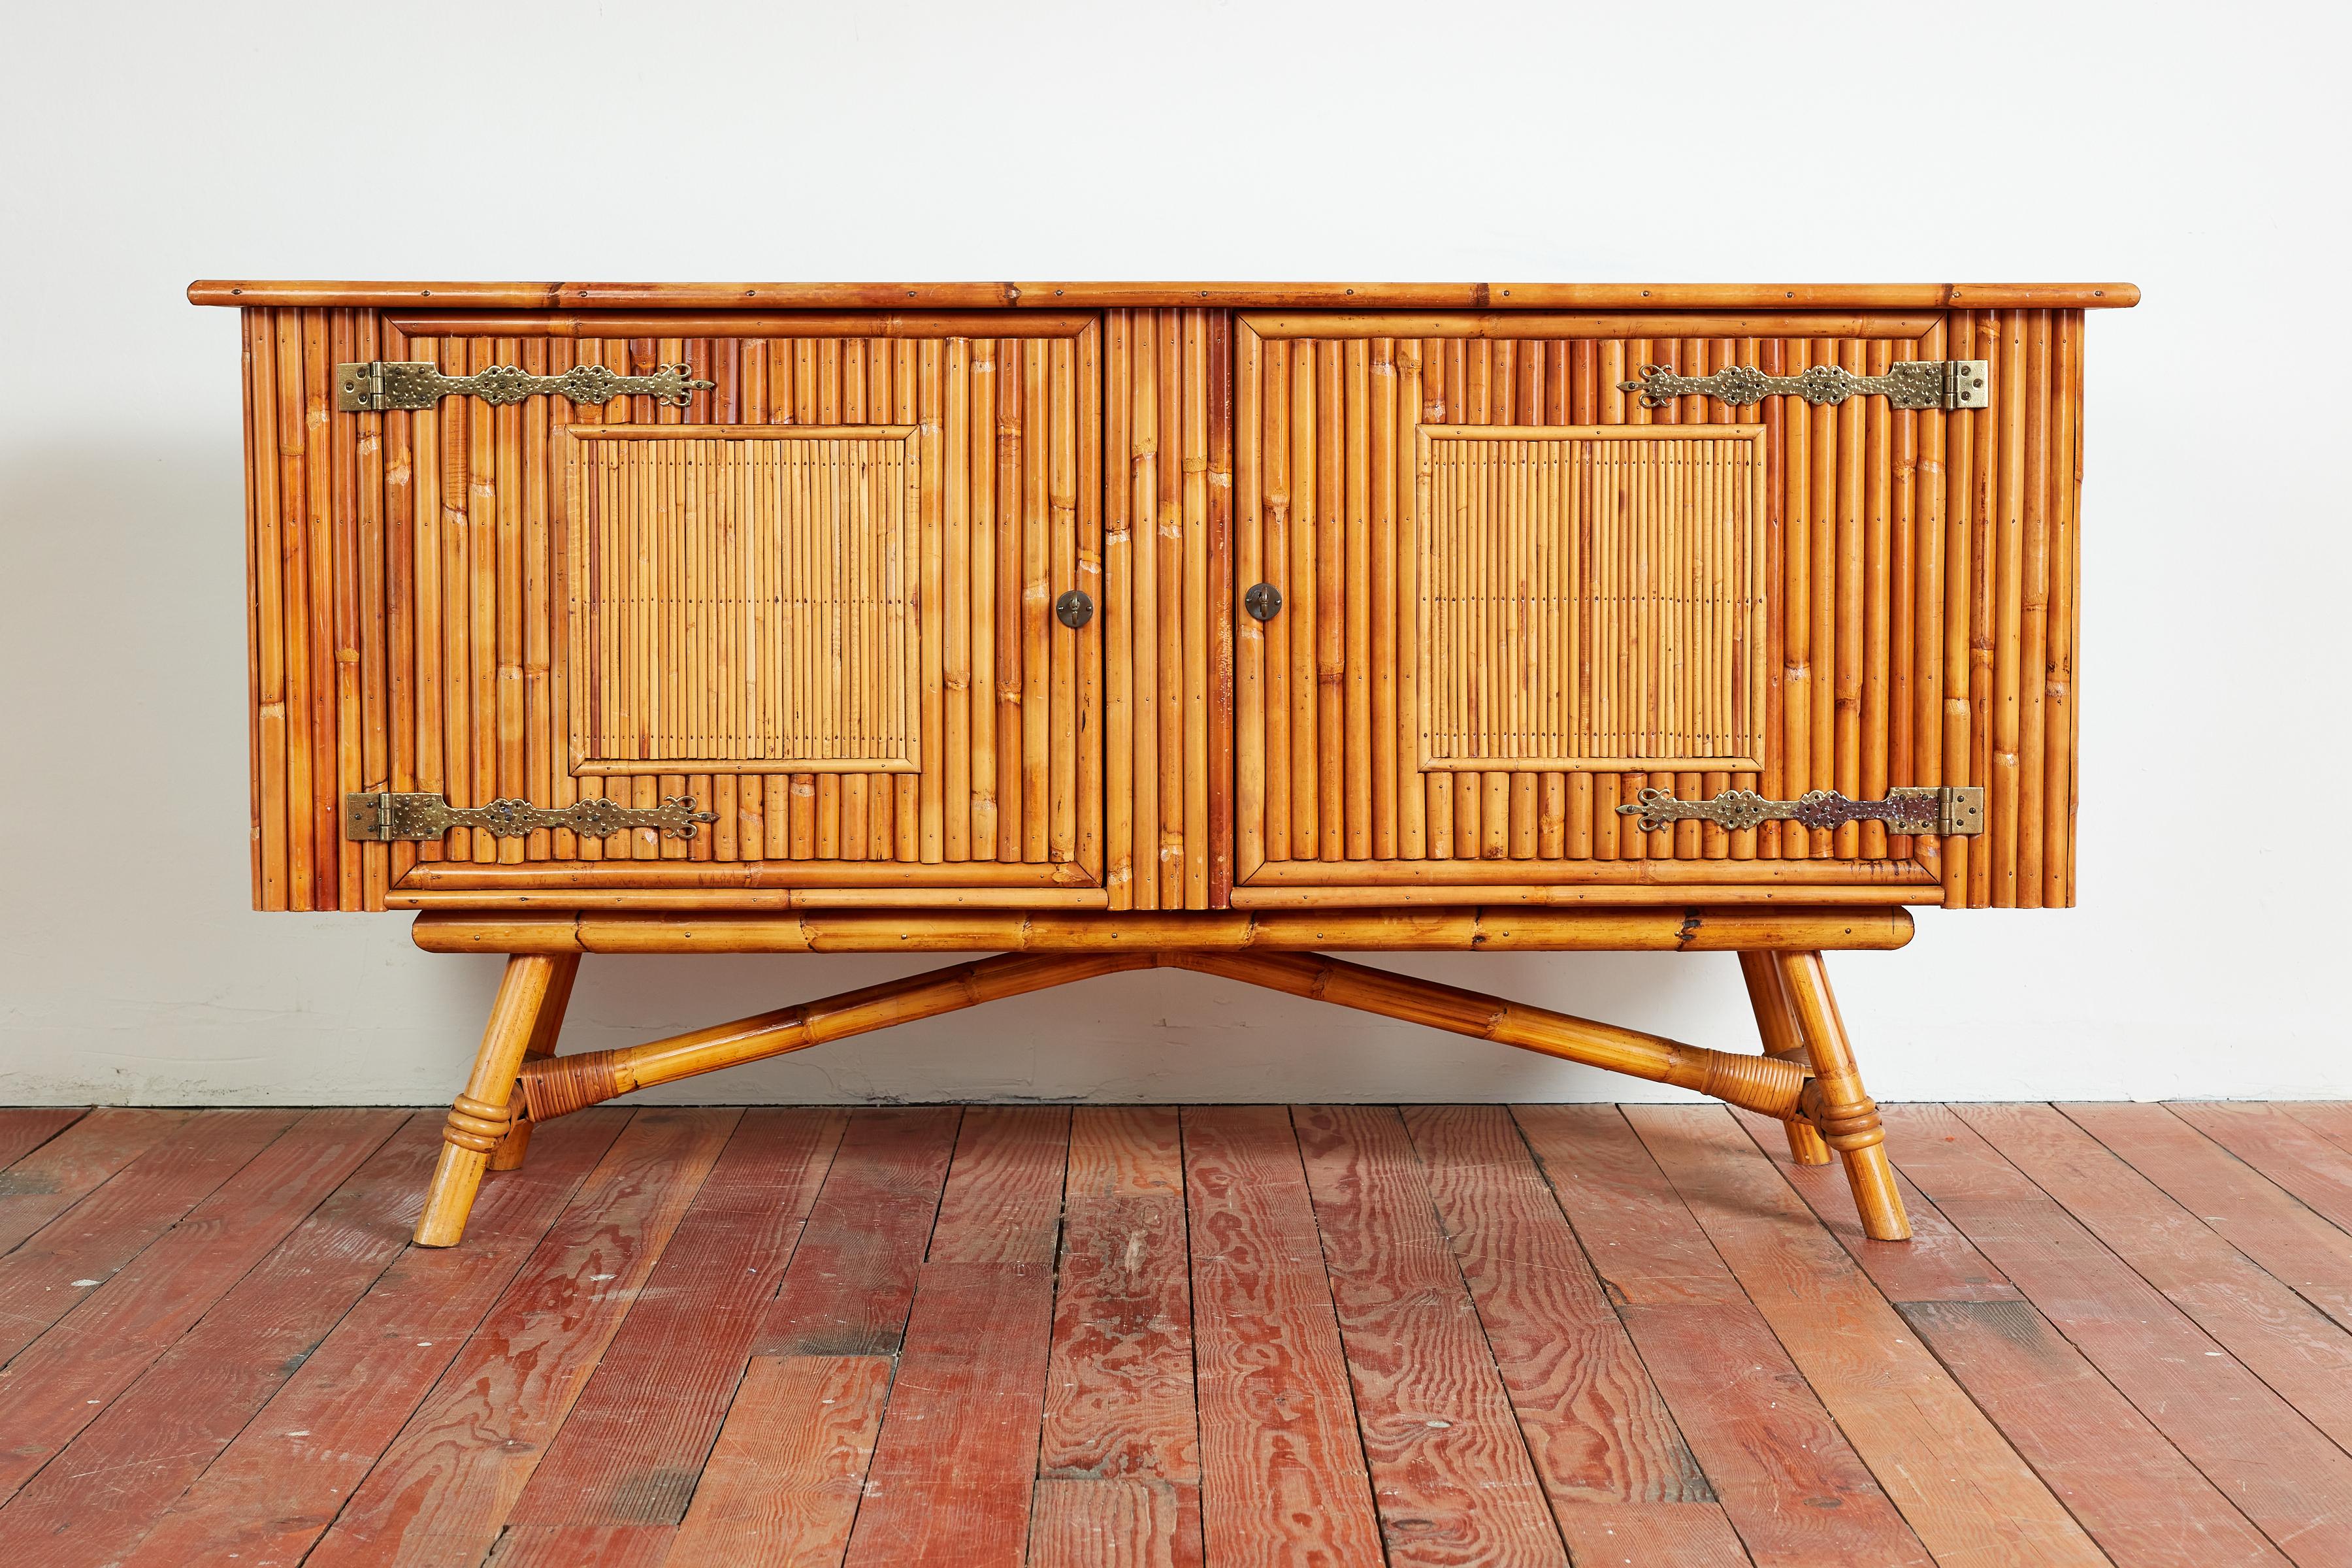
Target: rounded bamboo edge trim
pixel 1067 296
pixel 1635 929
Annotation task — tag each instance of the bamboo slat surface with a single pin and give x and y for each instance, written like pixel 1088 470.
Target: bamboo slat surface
pixel 1038 1335
pixel 814 634
pixel 782 619
pixel 413 578
pixel 1912 568
pixel 1582 598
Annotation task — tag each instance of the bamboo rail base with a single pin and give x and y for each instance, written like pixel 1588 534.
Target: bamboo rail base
pixel 1805 1077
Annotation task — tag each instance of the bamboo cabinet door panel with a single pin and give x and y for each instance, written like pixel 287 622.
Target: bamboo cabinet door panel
pixel 818 599
pixel 1513 598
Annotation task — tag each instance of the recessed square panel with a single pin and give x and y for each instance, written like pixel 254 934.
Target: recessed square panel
pixel 740 600
pixel 1591 597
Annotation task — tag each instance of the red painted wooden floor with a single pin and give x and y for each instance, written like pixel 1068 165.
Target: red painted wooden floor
pixel 1337 1336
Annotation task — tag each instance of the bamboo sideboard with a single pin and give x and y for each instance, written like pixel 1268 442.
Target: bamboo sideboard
pixel 1208 625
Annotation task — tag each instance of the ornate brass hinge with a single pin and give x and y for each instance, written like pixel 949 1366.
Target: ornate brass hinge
pixel 380 817
pixel 379 384
pixel 1907 383
pixel 1957 810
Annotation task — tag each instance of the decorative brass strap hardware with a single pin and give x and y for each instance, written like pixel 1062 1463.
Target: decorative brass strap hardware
pixel 382 816
pixel 1907 383
pixel 1955 810
pixel 379 384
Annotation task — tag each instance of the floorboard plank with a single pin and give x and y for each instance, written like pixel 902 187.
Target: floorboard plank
pixel 23 1130
pixel 2143 1503
pixel 268 1496
pixel 853 1272
pixel 957 1459
pixel 167 1166
pixel 1127 1522
pixel 630 1449
pixel 1651 1535
pixel 442 1492
pixel 783 1485
pixel 1596 1427
pixel 278 1375
pixel 2285 1143
pixel 64 1380
pixel 1964 1490
pixel 1118 1382
pixel 1791 1484
pixel 45 1182
pixel 2280 1472
pixel 2283 1339
pixel 108 1487
pixel 1283 1475
pixel 1451 1476
pixel 2331 1119
pixel 2307 1253
pixel 583 1546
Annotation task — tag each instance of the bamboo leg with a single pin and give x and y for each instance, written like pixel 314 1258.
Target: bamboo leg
pixel 1834 1101
pixel 509 1155
pixel 1776 1021
pixel 479 1117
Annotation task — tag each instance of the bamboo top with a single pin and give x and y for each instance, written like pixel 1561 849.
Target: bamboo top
pixel 1099 295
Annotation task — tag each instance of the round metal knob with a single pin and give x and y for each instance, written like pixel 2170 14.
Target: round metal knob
pixel 1074 609
pixel 1263 602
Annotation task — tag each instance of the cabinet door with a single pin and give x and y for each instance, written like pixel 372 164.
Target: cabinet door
pixel 1513 598
pixel 818 599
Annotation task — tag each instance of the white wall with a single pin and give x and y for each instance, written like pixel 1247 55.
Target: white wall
pixel 2184 149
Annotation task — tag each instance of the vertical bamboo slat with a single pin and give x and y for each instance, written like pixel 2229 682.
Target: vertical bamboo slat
pixel 372 651
pixel 1196 610
pixel 295 546
pixel 1060 737
pixel 985 523
pixel 334 609
pixel 1143 500
pixel 2059 717
pixel 955 736
pixel 2034 601
pixel 1250 715
pixel 1217 611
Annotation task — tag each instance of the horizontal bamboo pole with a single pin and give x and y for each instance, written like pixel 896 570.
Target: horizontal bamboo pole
pixel 553 1086
pixel 1519 325
pixel 1095 296
pixel 742 432
pixel 1758 1083
pixel 1659 929
pixel 750 324
pixel 1398 874
pixel 690 900
pixel 605 876
pixel 853 767
pixel 1562 893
